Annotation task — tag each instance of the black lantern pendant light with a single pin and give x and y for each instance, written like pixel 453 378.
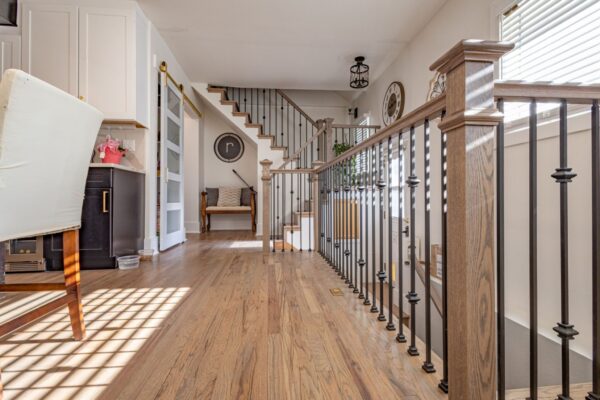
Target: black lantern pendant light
pixel 359 74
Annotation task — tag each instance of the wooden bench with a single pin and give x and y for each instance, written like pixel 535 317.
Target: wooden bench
pixel 206 211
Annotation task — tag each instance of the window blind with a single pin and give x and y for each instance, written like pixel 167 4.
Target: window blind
pixel 555 40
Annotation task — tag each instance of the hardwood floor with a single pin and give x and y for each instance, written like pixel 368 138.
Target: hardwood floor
pixel 211 319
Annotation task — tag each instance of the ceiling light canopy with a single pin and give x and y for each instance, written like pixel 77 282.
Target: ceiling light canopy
pixel 359 74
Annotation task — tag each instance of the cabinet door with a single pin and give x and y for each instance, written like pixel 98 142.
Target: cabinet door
pixel 95 237
pixel 50 44
pixel 107 60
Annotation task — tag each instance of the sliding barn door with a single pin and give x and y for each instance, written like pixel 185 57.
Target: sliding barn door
pixel 171 165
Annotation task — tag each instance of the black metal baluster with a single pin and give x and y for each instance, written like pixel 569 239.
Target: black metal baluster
pixel 427 364
pixel 321 206
pixel 311 216
pixel 337 219
pixel 367 302
pixel 361 261
pixel 499 254
pixel 272 206
pixel 276 209
pixel 329 216
pixel 300 200
pixel 533 312
pixel 443 385
pixel 400 338
pixel 292 212
pixel 357 222
pixel 333 216
pixel 374 308
pixel 283 193
pixel 390 325
pixel 595 393
pixel 348 280
pixel 563 176
pixel 381 275
pixel 412 296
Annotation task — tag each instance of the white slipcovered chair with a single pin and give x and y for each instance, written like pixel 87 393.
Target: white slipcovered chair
pixel 46 141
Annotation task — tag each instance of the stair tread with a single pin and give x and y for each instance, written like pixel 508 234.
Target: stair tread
pixel 289 227
pixel 216 90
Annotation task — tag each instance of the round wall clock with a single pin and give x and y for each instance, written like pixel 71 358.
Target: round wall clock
pixel 437 86
pixel 393 103
pixel 229 147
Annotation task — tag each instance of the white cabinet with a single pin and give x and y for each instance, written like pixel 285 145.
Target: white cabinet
pixel 96 53
pixel 50 44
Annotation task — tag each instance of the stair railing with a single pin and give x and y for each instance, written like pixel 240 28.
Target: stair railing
pixel 288 210
pixel 279 116
pixel 361 185
pixel 360 199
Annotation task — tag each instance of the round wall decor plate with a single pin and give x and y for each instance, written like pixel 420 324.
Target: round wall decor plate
pixel 229 147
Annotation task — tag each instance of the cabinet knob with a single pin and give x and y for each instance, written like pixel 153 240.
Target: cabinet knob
pixel 81 98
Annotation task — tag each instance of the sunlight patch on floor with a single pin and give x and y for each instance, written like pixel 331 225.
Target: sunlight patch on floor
pixel 246 244
pixel 43 361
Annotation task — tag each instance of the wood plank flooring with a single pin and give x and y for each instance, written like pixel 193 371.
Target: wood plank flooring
pixel 211 319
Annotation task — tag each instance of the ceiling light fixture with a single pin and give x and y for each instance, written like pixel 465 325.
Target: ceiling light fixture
pixel 359 74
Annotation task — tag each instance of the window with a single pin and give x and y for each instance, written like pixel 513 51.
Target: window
pixel 362 135
pixel 555 40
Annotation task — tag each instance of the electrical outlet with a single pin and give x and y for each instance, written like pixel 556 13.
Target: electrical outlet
pixel 129 144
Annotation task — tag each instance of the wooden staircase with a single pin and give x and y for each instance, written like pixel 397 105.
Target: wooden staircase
pixel 249 123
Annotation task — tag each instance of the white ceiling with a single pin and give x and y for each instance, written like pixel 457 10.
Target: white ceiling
pixel 288 44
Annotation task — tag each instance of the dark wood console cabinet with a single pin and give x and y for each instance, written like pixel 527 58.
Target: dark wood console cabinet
pixel 112 221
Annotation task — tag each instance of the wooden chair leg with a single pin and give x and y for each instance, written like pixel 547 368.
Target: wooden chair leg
pixel 72 282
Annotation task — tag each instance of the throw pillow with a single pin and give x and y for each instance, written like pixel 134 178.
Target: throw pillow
pixel 212 197
pixel 246 195
pixel 229 197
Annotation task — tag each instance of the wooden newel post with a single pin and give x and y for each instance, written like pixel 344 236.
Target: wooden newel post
pixel 266 204
pixel 469 122
pixel 316 197
pixel 329 140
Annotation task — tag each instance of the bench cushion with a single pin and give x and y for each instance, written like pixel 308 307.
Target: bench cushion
pixel 229 197
pixel 212 196
pixel 246 195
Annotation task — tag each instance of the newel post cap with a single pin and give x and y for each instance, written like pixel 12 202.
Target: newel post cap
pixel 266 167
pixel 471 50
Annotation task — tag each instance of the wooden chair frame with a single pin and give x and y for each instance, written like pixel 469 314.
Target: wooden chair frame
pixel 72 297
pixel 205 214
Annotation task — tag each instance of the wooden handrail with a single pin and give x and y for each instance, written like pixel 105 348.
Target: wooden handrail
pixel 520 91
pixel 351 126
pixel 304 146
pixel 294 171
pixel 430 110
pixel 290 101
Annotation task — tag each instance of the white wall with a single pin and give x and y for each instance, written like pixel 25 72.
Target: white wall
pixel 445 29
pixel 218 173
pixel 194 175
pixel 320 104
